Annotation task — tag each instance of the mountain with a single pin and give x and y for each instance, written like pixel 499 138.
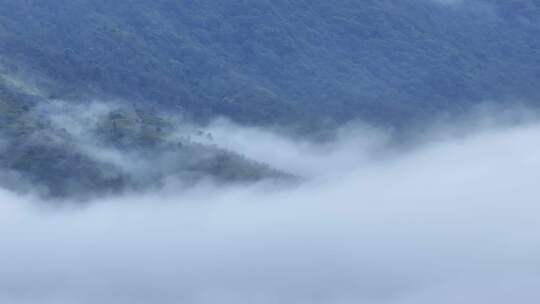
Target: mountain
pixel 305 65
pixel 280 61
pixel 59 150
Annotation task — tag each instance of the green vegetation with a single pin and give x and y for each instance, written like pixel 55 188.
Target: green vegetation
pixel 145 151
pixel 303 62
pixel 304 65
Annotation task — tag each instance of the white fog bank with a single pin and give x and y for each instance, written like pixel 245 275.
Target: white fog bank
pixel 453 222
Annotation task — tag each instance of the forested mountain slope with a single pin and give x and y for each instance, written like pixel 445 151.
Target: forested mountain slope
pixel 307 66
pixel 277 61
pixel 59 150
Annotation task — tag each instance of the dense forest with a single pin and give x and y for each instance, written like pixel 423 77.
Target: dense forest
pixel 59 150
pixel 304 65
pixel 277 61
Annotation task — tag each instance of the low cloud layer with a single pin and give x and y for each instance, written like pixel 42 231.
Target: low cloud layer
pixel 455 221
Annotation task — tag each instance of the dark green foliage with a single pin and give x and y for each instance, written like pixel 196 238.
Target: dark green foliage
pixel 306 64
pixel 387 61
pixel 60 171
pixel 145 153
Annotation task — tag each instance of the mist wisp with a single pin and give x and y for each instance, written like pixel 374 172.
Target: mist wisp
pixel 454 221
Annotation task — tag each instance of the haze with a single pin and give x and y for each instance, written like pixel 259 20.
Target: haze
pixel 454 220
pixel 269 152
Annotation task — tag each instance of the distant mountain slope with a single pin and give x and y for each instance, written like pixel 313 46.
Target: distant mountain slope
pixel 390 62
pixel 61 150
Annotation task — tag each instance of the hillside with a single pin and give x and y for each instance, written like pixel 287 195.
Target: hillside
pixel 389 62
pixel 59 150
pixel 307 66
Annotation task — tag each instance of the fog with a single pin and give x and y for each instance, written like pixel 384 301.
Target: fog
pixel 453 220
